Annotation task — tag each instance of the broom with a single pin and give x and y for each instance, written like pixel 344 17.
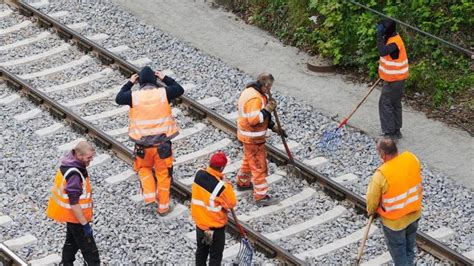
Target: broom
pixel 331 138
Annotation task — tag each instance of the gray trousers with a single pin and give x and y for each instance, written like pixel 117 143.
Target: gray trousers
pixel 390 106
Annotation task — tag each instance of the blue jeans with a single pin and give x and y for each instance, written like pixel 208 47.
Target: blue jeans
pixel 401 244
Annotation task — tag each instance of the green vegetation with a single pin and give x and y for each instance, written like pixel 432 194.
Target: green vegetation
pixel 346 33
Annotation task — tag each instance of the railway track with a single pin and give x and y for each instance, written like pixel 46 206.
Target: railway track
pixel 79 114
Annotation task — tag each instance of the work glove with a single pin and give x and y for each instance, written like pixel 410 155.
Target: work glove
pixel 207 239
pixel 280 132
pixel 271 105
pixel 380 29
pixel 87 230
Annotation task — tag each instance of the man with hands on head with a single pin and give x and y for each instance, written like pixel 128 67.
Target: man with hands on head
pixel 151 128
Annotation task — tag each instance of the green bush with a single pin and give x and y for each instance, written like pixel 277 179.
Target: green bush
pixel 345 33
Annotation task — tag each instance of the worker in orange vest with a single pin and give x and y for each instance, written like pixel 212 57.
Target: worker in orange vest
pixel 395 193
pixel 151 128
pixel 393 70
pixel 254 117
pixel 212 197
pixel 71 203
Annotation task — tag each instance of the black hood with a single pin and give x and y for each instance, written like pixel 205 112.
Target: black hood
pixel 256 85
pixel 390 27
pixel 147 76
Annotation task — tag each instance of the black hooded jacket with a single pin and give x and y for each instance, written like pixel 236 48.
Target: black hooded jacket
pixel 147 77
pixel 390 31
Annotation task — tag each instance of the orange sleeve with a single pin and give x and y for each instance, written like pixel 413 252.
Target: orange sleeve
pixel 253 112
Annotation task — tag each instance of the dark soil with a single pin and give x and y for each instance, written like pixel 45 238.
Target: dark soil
pixel 460 114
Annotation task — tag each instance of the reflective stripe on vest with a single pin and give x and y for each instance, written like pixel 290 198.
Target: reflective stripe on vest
pixel 246 132
pixel 150 114
pixel 394 69
pixel 401 196
pixel 67 205
pixel 253 134
pixel 212 206
pixel 405 191
pixel 59 207
pixel 209 208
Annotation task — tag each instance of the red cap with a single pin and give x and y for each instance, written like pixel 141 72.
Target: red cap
pixel 218 159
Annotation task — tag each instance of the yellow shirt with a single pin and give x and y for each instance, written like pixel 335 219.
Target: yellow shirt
pixel 378 186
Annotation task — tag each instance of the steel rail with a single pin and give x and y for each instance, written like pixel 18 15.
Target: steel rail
pixel 333 188
pixel 8 257
pixel 108 142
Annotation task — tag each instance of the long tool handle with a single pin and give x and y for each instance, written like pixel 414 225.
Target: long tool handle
pixel 364 239
pixel 345 120
pixel 241 229
pixel 277 119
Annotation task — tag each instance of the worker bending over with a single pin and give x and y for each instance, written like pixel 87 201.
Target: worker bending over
pixel 395 194
pixel 71 203
pixel 393 70
pixel 151 128
pixel 212 197
pixel 254 117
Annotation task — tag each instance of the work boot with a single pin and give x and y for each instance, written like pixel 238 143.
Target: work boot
pixel 392 136
pixel 163 214
pixel 266 201
pixel 244 188
pixel 398 134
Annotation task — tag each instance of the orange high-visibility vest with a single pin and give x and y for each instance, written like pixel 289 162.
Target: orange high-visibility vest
pixel 394 69
pixel 405 190
pixel 150 114
pixel 59 208
pixel 251 125
pixel 211 197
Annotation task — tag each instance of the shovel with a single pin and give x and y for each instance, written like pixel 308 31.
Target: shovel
pixel 291 165
pixel 331 138
pixel 364 239
pixel 245 251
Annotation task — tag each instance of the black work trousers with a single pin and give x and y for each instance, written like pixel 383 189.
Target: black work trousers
pixel 390 106
pixel 214 251
pixel 75 240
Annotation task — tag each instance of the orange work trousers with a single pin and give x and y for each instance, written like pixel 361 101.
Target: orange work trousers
pixel 254 169
pixel 155 189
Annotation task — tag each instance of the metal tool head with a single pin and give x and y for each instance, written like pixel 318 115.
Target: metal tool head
pixel 330 140
pixel 245 255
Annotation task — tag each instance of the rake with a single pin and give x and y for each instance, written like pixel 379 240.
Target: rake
pixel 244 257
pixel 331 138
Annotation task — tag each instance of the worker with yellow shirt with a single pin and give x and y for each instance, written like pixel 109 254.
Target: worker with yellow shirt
pixel 395 194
